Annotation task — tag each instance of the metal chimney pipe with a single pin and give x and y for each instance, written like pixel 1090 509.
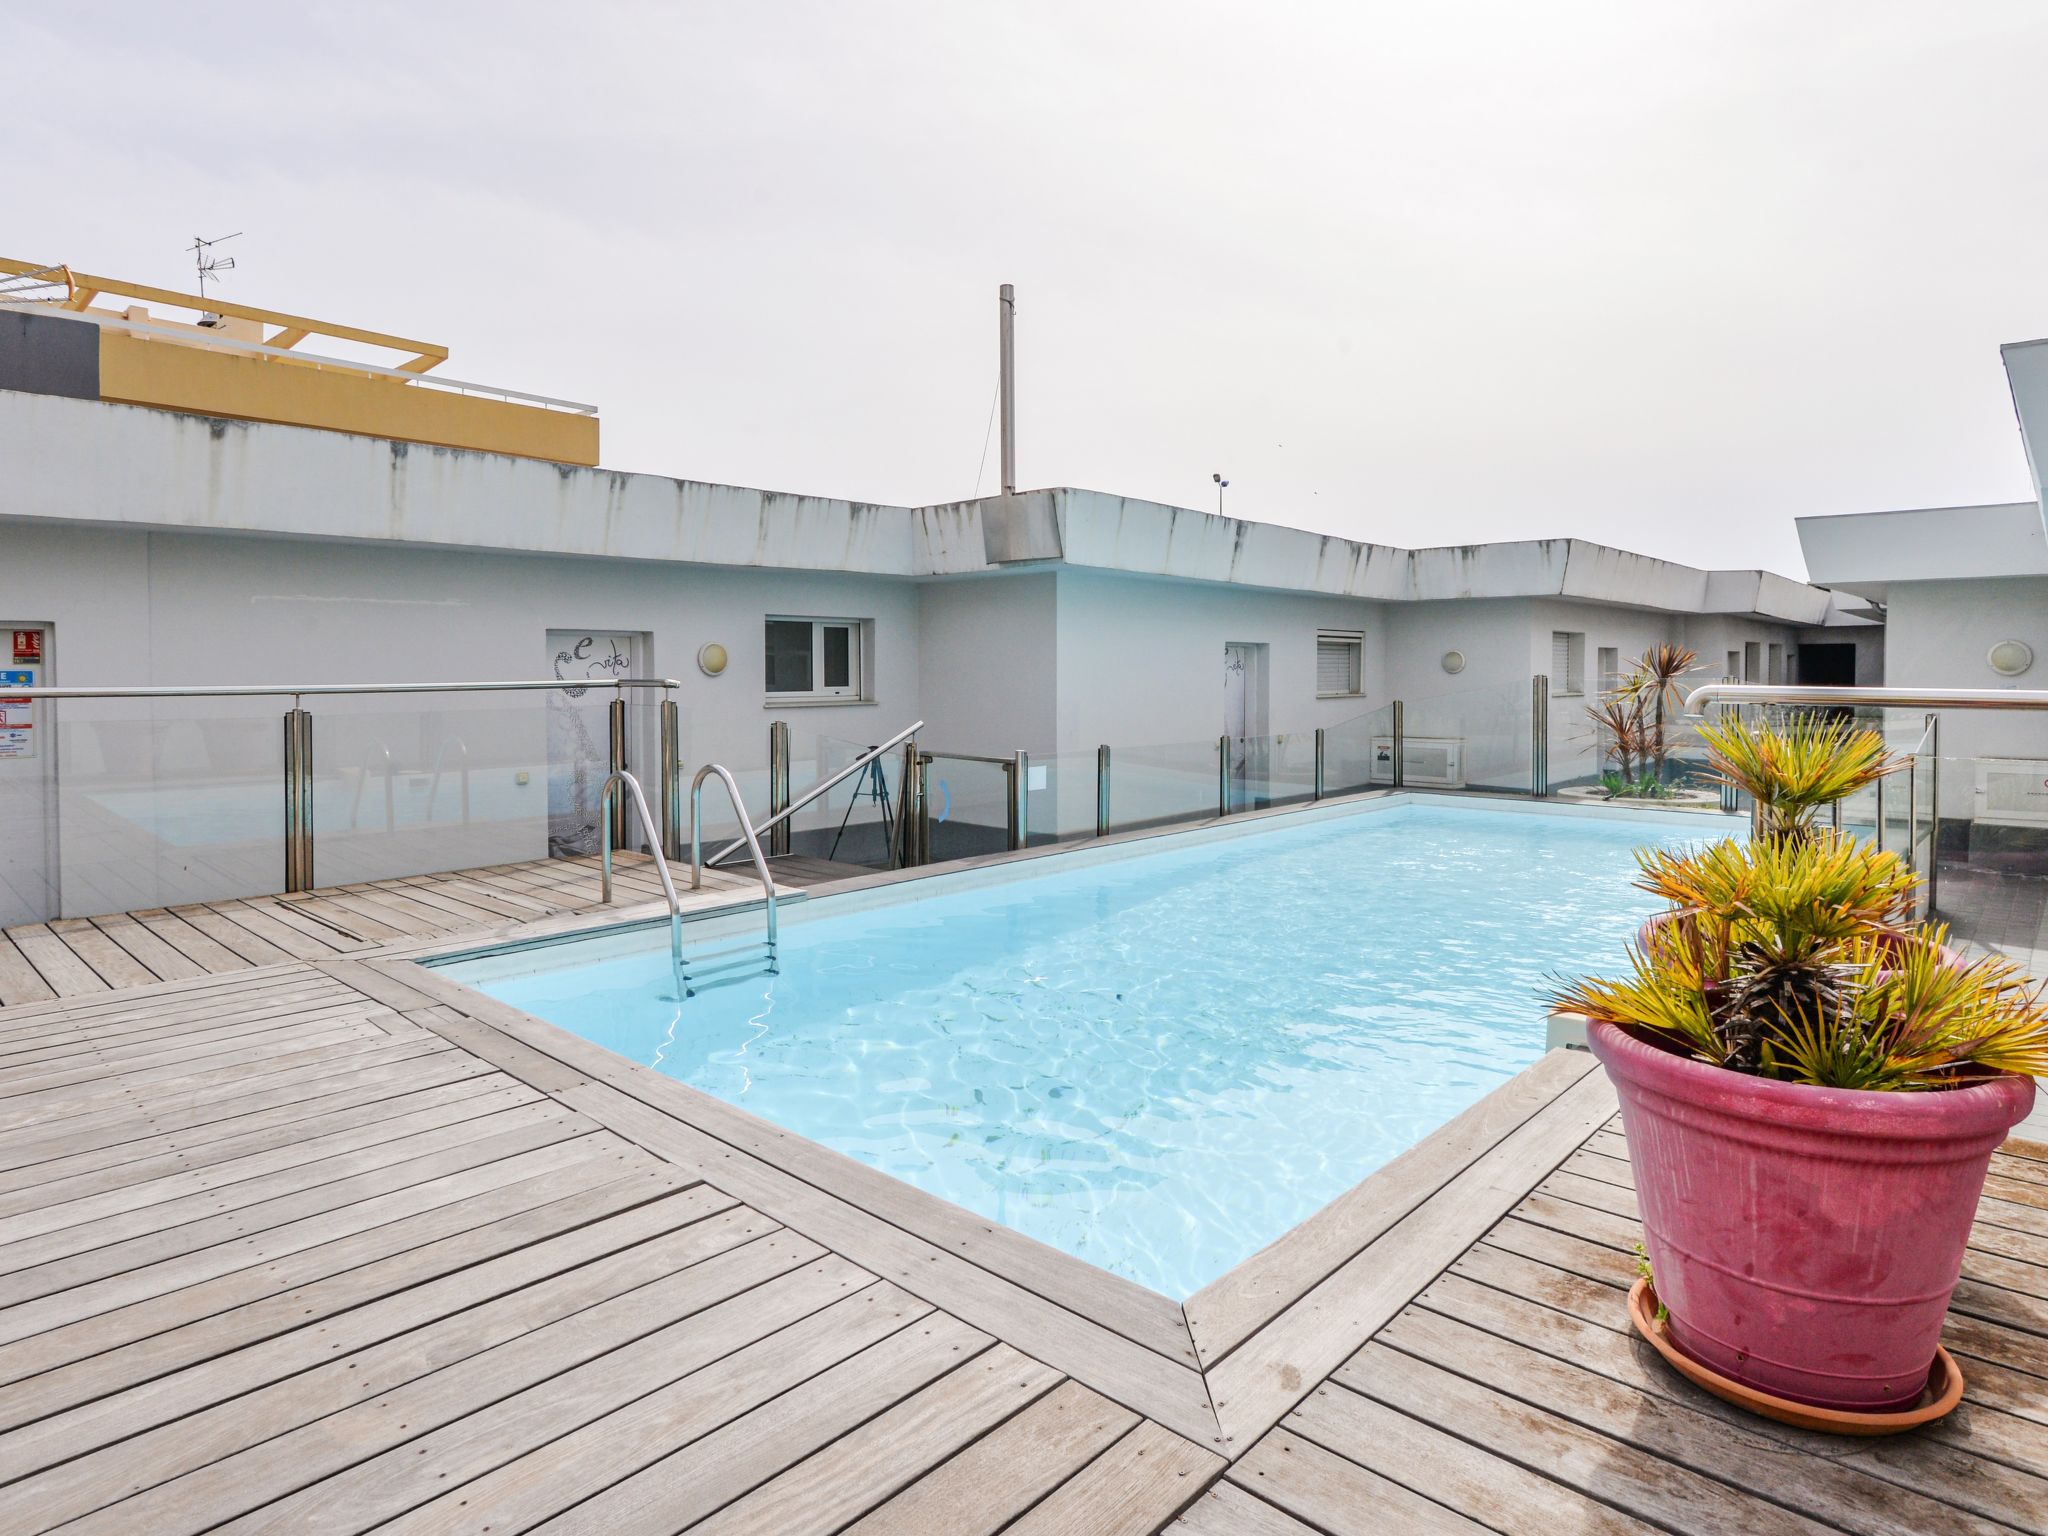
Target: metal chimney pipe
pixel 1007 303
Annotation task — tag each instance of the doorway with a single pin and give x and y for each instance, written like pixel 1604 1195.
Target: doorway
pixel 1831 665
pixel 579 730
pixel 28 778
pixel 1244 723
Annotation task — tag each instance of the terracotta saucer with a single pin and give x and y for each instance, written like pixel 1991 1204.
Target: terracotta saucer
pixel 1944 1384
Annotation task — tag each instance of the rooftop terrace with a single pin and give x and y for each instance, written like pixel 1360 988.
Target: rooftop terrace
pixel 313 1238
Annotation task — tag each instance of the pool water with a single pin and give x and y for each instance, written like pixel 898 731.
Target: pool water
pixel 1158 1063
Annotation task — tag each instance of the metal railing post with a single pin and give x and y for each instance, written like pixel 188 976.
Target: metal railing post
pixel 1222 775
pixel 924 808
pixel 1319 763
pixel 1728 790
pixel 1880 815
pixel 1539 737
pixel 778 785
pixel 671 780
pixel 1020 800
pixel 1400 743
pixel 617 715
pixel 909 813
pixel 298 799
pixel 1933 739
pixel 1102 790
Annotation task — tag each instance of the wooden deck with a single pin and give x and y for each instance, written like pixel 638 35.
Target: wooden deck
pixel 328 1243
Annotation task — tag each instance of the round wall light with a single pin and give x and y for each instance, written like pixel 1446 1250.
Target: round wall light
pixel 711 659
pixel 2009 658
pixel 1454 661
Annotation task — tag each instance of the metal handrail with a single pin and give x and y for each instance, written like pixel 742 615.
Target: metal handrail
pixel 304 690
pixel 801 800
pixel 440 761
pixel 668 885
pixel 363 777
pixel 747 835
pixel 1875 698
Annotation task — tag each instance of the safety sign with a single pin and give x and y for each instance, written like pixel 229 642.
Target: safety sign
pixel 28 645
pixel 17 679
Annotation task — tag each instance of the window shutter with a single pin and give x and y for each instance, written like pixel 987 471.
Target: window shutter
pixel 1560 661
pixel 1337 664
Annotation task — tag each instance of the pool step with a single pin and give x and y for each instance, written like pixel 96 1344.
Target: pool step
pixel 719 965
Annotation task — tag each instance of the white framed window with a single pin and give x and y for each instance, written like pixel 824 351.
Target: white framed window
pixel 814 658
pixel 1610 667
pixel 1567 662
pixel 1340 664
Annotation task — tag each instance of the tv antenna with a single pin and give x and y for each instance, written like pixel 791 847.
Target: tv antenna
pixel 210 265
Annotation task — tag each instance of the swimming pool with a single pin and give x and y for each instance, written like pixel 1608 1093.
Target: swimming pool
pixel 1157 1062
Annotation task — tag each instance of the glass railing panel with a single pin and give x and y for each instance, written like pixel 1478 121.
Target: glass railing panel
pixel 1151 786
pixel 1480 738
pixel 162 802
pixel 420 784
pixel 966 806
pixel 1060 796
pixel 30 887
pixel 1275 770
pixel 1358 753
pixel 858 820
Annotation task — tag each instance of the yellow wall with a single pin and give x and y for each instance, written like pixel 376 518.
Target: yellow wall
pixel 212 383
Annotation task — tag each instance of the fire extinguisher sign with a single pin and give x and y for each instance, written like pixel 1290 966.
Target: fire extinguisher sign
pixel 28 645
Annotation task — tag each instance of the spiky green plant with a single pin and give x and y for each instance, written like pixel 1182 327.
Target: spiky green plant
pixel 1794 956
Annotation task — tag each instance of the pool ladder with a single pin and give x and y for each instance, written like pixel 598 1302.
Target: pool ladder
pixel 713 964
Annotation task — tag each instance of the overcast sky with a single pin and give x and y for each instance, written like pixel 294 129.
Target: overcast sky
pixel 1659 275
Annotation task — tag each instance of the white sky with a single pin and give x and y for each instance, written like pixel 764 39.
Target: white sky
pixel 1659 275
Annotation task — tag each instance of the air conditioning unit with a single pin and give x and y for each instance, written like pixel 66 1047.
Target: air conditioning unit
pixel 2012 792
pixel 1434 762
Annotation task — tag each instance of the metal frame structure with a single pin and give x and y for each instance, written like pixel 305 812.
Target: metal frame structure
pixel 740 956
pixel 605 801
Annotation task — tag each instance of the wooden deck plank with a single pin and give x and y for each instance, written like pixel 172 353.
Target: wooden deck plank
pixel 63 971
pixel 1132 1489
pixel 108 960
pixel 561 1474
pixel 1226 1312
pixel 687 1485
pixel 412 1473
pixel 1267 1375
pixel 238 938
pixel 849 1476
pixel 240 1455
pixel 147 949
pixel 194 944
pixel 57 1330
pixel 304 1076
pixel 985 1486
pixel 123 1160
pixel 104 1199
pixel 1292 1476
pixel 1501 1494
pixel 258 1042
pixel 1594 1374
pixel 116 1011
pixel 56 1065
pixel 348 1296
pixel 20 982
pixel 465 1135
pixel 82 1035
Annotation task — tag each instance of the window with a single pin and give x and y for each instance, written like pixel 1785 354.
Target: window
pixel 1734 672
pixel 1752 662
pixel 814 658
pixel 1610 667
pixel 1340 665
pixel 1567 662
pixel 1777 673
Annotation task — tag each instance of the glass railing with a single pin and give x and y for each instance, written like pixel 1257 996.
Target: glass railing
pixel 1481 738
pixel 119 800
pixel 967 807
pixel 1359 753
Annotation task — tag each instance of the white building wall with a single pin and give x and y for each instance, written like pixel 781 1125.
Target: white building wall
pixel 1938 634
pixel 173 608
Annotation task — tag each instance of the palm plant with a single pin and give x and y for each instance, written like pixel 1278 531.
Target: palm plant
pixel 1794 956
pixel 1655 678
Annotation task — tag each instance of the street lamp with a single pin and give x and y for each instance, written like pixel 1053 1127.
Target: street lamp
pixel 1220 483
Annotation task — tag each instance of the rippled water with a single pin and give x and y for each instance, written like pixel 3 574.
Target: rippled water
pixel 1158 1064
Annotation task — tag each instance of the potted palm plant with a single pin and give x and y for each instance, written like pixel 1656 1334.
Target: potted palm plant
pixel 1812 1084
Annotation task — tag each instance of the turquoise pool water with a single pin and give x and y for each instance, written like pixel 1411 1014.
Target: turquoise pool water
pixel 1159 1063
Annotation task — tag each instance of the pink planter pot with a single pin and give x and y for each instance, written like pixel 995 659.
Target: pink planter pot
pixel 1805 1240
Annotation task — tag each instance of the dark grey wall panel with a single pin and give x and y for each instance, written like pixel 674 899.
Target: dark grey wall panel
pixel 43 355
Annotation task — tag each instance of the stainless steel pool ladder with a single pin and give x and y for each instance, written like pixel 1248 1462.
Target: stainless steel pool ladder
pixel 738 957
pixel 668 885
